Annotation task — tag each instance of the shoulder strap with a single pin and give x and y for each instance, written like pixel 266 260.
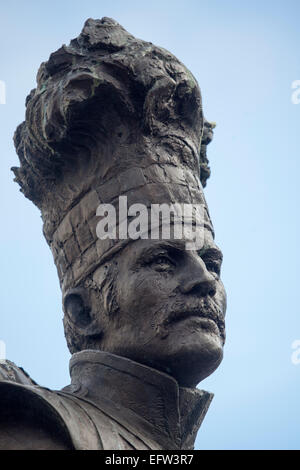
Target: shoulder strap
pixel 10 371
pixel 52 410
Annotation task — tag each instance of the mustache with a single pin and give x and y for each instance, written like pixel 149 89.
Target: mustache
pixel 200 308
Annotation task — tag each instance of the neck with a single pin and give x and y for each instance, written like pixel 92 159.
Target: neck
pixel 148 399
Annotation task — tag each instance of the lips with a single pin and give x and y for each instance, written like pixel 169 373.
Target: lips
pixel 204 309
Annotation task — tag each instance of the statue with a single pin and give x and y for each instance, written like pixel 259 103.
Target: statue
pixel 114 116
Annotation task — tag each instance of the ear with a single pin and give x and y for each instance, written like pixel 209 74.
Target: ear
pixel 77 304
pixel 77 308
pixel 82 324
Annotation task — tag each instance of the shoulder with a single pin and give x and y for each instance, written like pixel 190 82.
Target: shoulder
pixel 10 371
pixel 50 419
pixel 29 421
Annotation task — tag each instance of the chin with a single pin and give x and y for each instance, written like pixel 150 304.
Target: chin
pixel 188 352
pixel 191 359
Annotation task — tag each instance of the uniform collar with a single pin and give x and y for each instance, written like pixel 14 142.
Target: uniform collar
pixel 146 399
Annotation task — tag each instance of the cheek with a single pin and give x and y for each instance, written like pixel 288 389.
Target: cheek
pixel 145 291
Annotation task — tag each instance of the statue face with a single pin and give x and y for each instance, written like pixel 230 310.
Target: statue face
pixel 171 306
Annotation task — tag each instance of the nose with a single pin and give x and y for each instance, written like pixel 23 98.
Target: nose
pixel 199 281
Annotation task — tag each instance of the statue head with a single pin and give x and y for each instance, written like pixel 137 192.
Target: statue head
pixel 114 117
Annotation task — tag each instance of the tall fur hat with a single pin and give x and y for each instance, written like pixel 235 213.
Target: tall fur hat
pixel 111 115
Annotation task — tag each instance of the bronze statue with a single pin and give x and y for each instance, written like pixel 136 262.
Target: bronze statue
pixel 115 116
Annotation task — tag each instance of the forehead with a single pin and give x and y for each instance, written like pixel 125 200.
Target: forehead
pixel 138 247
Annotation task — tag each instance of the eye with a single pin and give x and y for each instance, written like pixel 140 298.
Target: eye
pixel 213 260
pixel 214 266
pixel 162 263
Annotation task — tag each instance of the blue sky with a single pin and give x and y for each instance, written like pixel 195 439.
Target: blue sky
pixel 245 56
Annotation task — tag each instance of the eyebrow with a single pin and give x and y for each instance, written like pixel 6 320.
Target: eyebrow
pixel 164 244
pixel 180 245
pixel 161 245
pixel 211 251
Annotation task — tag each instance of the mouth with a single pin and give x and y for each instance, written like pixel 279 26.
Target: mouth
pixel 206 314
